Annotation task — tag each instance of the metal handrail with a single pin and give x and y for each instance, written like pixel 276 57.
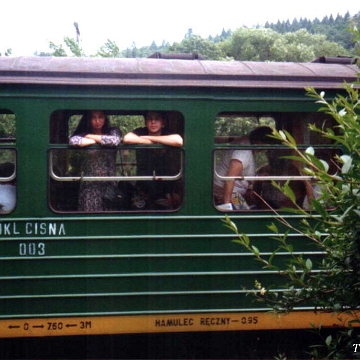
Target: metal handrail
pixel 153 177
pixel 261 178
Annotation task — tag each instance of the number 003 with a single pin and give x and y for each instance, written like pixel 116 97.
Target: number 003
pixel 32 249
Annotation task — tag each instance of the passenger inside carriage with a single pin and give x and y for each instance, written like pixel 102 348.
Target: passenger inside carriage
pixel 94 128
pixel 156 194
pixel 231 194
pixel 266 195
pixel 314 189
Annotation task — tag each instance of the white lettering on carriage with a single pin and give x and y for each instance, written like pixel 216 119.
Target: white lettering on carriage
pixel 32 228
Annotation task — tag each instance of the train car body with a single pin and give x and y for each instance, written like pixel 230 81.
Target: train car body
pixel 141 270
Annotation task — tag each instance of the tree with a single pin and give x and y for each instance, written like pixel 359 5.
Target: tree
pixel 334 30
pixel 153 47
pixel 195 43
pixel 58 50
pixel 73 46
pixel 332 225
pixel 109 50
pixel 134 50
pixel 298 52
pixel 268 45
pixel 301 40
pixel 7 52
pixel 302 46
pixel 251 44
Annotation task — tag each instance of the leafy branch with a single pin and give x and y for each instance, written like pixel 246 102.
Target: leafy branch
pixel 332 225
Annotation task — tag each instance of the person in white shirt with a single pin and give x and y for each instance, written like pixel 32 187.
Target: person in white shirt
pixel 229 195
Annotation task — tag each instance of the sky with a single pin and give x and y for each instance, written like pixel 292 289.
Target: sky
pixel 28 26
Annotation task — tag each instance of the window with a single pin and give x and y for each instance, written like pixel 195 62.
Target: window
pixel 7 162
pixel 246 163
pixel 139 177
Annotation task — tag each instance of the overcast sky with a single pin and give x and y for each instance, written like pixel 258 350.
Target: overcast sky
pixel 27 26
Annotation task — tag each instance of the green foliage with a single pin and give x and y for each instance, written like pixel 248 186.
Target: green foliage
pixel 268 45
pixel 196 44
pixel 332 225
pixel 7 126
pixel 127 123
pixel 222 37
pixel 72 45
pixel 251 44
pixel 300 41
pixel 7 155
pixel 58 50
pixel 239 125
pixel 109 50
pixel 144 51
pixel 335 30
pixel 7 52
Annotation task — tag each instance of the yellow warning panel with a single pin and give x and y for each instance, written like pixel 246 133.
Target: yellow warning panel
pixel 136 324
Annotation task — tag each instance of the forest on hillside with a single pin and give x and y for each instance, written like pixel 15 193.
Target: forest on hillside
pixel 335 29
pixel 301 40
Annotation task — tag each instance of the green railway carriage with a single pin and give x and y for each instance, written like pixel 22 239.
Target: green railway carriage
pixel 140 269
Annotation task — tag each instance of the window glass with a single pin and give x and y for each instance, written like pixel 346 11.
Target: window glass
pixel 280 169
pixel 126 177
pixel 7 126
pixel 231 127
pixel 246 162
pixel 7 162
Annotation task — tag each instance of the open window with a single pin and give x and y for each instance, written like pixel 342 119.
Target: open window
pixel 146 177
pixel 7 162
pixel 244 170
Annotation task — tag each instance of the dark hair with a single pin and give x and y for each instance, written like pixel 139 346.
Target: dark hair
pixel 261 134
pixel 277 159
pixel 84 126
pixel 163 114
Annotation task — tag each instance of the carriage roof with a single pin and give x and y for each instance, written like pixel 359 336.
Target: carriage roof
pixel 174 73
